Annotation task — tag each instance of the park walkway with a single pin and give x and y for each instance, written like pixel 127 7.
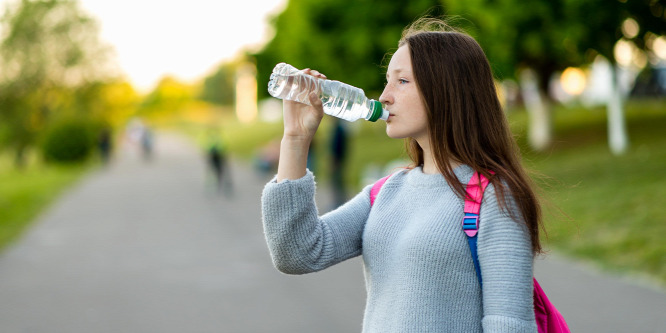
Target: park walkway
pixel 147 246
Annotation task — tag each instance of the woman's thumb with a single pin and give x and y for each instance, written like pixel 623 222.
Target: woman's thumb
pixel 315 102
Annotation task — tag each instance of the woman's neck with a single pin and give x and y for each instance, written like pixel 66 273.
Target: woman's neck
pixel 429 164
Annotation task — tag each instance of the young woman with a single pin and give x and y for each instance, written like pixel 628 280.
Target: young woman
pixel 419 272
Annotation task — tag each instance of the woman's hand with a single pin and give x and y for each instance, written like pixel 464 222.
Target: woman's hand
pixel 301 120
pixel 300 125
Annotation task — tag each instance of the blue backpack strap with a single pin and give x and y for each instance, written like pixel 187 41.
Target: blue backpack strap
pixel 470 223
pixel 473 248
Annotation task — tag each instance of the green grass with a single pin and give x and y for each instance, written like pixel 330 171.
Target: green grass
pixel 25 193
pixel 613 204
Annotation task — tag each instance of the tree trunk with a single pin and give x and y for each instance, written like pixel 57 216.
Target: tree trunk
pixel 618 138
pixel 539 131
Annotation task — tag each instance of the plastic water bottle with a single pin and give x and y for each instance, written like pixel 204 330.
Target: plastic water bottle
pixel 339 99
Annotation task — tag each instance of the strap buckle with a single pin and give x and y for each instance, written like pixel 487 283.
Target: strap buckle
pixel 470 224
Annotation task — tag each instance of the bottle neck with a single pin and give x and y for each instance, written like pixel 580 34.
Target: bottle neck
pixel 375 111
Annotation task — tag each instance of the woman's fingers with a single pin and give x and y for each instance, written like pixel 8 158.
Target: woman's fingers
pixel 317 74
pixel 314 73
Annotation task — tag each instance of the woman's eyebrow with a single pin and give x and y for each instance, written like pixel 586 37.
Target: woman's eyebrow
pixel 395 71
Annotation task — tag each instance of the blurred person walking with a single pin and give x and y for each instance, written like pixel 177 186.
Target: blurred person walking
pixel 147 143
pixel 339 147
pixel 217 161
pixel 419 272
pixel 265 161
pixel 105 144
pixel 312 156
pixel 139 135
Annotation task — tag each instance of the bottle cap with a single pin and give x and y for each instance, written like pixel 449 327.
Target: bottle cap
pixel 385 115
pixel 378 112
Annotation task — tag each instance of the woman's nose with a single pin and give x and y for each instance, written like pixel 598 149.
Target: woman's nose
pixel 384 98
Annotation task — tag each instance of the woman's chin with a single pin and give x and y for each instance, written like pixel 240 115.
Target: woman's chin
pixel 393 134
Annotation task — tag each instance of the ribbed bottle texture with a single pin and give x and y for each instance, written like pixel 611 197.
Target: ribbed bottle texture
pixel 339 99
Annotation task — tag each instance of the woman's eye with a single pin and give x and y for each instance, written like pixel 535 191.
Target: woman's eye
pixel 402 81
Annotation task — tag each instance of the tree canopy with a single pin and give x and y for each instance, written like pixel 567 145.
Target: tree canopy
pixel 48 50
pixel 219 87
pixel 550 35
pixel 348 40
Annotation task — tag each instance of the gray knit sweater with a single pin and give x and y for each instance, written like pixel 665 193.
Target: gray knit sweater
pixel 419 271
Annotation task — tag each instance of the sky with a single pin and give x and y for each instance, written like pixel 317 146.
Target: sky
pixel 185 39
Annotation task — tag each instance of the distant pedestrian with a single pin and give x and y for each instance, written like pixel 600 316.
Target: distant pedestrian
pixel 147 143
pixel 105 145
pixel 266 160
pixel 338 160
pixel 217 162
pixel 312 156
pixel 140 136
pixel 419 271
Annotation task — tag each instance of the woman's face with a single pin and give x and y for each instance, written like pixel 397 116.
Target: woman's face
pixel 402 99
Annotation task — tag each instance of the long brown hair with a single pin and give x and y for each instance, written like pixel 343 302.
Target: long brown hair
pixel 465 118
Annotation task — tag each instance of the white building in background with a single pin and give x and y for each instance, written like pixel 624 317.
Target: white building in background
pixel 270 110
pixel 246 93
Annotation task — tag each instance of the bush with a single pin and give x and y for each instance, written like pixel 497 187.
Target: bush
pixel 69 141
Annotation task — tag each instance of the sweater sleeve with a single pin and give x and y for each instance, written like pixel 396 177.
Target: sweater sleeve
pixel 299 240
pixel 506 260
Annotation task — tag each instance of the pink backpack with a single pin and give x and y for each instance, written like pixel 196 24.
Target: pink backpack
pixel 548 319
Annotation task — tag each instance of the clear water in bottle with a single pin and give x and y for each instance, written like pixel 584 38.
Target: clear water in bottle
pixel 339 99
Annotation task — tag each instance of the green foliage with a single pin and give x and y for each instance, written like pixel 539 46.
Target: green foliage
pixel 219 87
pixel 549 35
pixel 106 101
pixel 69 141
pixel 168 97
pixel 52 41
pixel 48 50
pixel 346 40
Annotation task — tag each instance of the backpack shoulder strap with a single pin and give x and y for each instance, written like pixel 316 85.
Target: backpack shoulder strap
pixel 548 318
pixel 470 223
pixel 375 189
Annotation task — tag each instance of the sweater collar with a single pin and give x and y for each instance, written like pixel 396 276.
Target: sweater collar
pixel 417 178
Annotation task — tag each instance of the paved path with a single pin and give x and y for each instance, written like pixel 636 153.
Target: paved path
pixel 146 246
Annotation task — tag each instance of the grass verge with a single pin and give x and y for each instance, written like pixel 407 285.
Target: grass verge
pixel 613 204
pixel 25 193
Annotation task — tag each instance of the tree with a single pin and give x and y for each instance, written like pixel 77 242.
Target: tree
pixel 546 36
pixel 48 48
pixel 346 40
pixel 111 102
pixel 219 87
pixel 169 97
pixel 525 40
pixel 602 32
